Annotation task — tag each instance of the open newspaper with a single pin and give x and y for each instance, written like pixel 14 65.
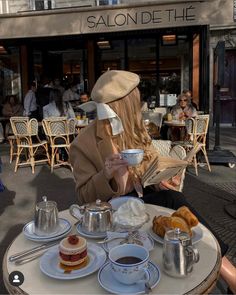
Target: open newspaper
pixel 164 168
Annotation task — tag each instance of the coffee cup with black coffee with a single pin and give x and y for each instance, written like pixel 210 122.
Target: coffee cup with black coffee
pixel 129 264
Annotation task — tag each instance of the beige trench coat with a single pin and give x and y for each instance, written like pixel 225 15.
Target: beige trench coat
pixel 87 155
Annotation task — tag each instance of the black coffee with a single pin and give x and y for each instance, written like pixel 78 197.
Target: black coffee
pixel 128 260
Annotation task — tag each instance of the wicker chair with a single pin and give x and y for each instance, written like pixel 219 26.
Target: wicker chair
pixel 28 142
pixel 12 142
pixel 165 149
pixel 196 131
pixel 59 132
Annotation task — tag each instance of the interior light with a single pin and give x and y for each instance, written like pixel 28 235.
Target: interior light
pixel 104 44
pixel 169 39
pixel 3 50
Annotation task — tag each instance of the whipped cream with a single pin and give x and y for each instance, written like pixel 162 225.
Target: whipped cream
pixel 131 213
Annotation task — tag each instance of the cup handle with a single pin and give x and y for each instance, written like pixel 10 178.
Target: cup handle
pixel 73 208
pixel 146 276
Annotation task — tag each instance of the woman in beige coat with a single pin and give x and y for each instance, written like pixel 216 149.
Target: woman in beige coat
pixel 99 170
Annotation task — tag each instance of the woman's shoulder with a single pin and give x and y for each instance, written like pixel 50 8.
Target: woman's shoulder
pixel 86 135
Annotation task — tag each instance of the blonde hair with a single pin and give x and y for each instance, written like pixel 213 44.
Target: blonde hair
pixel 135 134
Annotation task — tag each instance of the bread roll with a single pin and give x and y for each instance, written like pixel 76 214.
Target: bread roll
pixel 163 223
pixel 187 215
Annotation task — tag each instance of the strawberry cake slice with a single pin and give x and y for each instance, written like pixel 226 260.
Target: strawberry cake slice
pixel 73 250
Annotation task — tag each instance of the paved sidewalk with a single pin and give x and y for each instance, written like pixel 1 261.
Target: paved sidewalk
pixel 23 190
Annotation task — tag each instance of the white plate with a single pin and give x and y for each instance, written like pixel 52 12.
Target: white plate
pixel 110 284
pixel 49 263
pixel 145 238
pixel 91 236
pixel 197 235
pixel 117 202
pixel 63 229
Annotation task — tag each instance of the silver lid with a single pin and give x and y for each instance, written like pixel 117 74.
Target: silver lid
pixel 98 206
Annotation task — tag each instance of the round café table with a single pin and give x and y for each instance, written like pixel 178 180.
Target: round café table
pixel 173 124
pixel 200 281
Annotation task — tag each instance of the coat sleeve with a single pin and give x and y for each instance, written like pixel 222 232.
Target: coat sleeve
pixel 91 184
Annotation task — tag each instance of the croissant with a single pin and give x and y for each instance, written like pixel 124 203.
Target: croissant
pixel 187 215
pixel 163 223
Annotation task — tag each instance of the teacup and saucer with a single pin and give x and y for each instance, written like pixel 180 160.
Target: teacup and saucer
pixel 128 270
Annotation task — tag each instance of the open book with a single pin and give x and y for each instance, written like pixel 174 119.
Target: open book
pixel 164 168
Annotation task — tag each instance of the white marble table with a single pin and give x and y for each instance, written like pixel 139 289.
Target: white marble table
pixel 200 281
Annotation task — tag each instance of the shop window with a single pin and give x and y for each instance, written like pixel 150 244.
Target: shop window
pixel 10 80
pixel 42 4
pixel 110 55
pixel 142 61
pixel 107 2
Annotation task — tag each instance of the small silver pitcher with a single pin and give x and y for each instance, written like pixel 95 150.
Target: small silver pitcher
pixel 46 217
pixel 179 255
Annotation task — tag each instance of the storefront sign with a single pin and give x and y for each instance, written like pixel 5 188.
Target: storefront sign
pixel 152 16
pixel 117 18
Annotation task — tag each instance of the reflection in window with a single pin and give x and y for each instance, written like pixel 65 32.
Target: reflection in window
pixel 107 2
pixel 42 4
pixel 10 74
pixel 142 61
pixel 111 57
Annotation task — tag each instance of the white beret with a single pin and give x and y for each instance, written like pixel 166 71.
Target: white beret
pixel 113 85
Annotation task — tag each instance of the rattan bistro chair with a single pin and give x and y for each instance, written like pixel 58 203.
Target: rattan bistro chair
pixel 59 132
pixel 197 129
pixel 28 143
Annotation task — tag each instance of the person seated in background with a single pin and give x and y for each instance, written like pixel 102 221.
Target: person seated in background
pixel 57 85
pixel 56 106
pixel 87 107
pixel 98 167
pixel 84 97
pixel 183 109
pixel 12 107
pixel 71 93
pixel 188 93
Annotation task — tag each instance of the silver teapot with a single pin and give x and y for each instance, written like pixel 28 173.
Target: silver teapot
pixel 96 217
pixel 179 255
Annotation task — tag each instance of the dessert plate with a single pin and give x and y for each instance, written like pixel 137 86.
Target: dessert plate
pixel 117 202
pixel 110 284
pixel 50 265
pixel 141 236
pixel 91 236
pixel 63 229
pixel 197 235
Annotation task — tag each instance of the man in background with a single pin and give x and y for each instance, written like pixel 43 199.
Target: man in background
pixel 30 103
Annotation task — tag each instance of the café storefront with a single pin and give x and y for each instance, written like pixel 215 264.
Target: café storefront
pixel 167 44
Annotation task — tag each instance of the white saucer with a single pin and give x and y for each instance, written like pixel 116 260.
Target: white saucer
pixel 109 283
pixel 197 235
pixel 91 236
pixel 144 237
pixel 49 263
pixel 63 229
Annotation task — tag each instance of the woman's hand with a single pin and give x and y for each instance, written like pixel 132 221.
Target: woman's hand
pixel 172 184
pixel 112 164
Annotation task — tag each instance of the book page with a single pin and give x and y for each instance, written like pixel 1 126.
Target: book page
pixel 163 175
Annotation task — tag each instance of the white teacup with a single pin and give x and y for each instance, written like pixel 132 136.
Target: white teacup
pixel 132 156
pixel 129 264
